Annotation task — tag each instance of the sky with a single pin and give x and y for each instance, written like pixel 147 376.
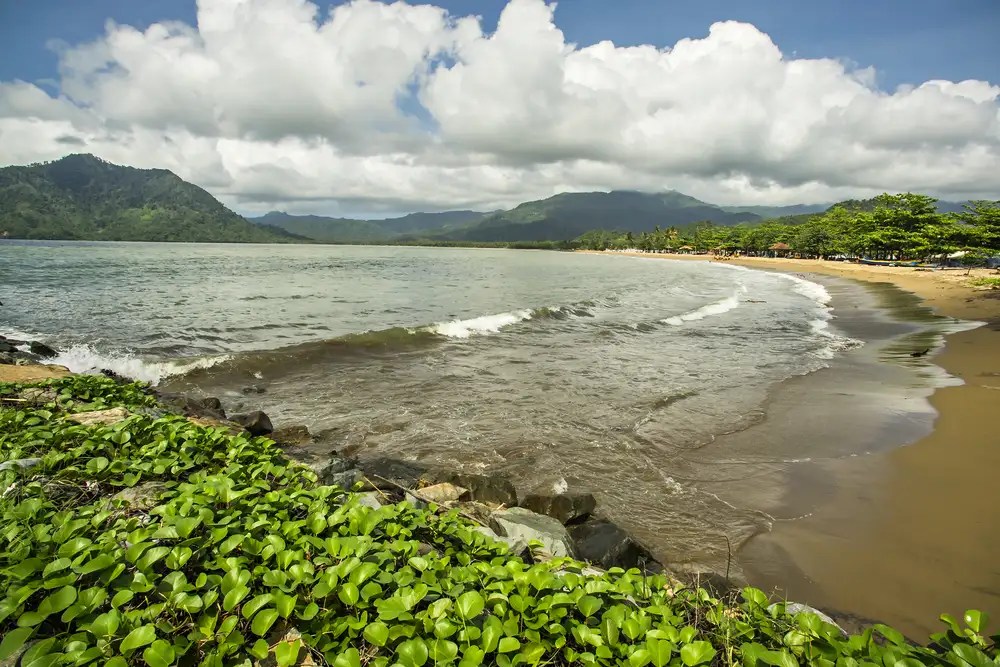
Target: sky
pixel 368 108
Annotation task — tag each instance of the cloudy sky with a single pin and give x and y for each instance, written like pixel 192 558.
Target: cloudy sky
pixel 372 108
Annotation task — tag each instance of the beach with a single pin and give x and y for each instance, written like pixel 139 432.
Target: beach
pixel 912 531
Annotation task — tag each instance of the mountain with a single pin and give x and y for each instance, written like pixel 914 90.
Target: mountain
pixel 83 197
pixel 568 215
pixel 349 230
pixel 778 211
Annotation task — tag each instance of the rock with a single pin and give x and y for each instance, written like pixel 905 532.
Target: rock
pixel 370 499
pixel 41 349
pixel 407 474
pixel 522 524
pixel 117 377
pixel 7 358
pixel 256 422
pixel 13 341
pixel 340 471
pixel 566 507
pixel 6 346
pixel 24 465
pixel 292 436
pixel 229 427
pixel 253 389
pixel 142 497
pixel 441 493
pixel 182 404
pixel 793 608
pixel 39 395
pixel 212 403
pixel 25 370
pixel 517 545
pixel 606 545
pixel 101 417
pixel 496 489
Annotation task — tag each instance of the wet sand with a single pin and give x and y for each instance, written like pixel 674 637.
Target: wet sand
pixel 906 533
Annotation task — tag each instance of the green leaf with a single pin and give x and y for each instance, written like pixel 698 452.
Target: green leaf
pixel 470 604
pixel 755 596
pixel 263 621
pixel 976 620
pixel 234 596
pixel 376 633
pixel 508 645
pixel 254 605
pixel 588 605
pixel 640 657
pixel 160 654
pixel 349 594
pixel 138 638
pixel 697 653
pixel 287 653
pixel 412 653
pixel 57 601
pixel 472 657
pixel 13 641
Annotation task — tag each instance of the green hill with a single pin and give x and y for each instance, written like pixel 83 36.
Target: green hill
pixel 349 230
pixel 85 198
pixel 568 215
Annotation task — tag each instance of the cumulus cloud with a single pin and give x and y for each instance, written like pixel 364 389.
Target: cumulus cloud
pixel 381 107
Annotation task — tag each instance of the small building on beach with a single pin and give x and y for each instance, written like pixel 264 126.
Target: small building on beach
pixel 780 249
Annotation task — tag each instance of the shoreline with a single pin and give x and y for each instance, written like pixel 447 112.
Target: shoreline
pixel 924 511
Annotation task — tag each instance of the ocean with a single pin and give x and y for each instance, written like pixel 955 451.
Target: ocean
pixel 647 382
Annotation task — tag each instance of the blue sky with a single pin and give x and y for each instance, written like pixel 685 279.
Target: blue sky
pixel 907 41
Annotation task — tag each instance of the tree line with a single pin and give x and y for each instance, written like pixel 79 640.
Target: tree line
pixel 889 227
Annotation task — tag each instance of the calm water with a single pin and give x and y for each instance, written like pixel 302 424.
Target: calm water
pixel 607 374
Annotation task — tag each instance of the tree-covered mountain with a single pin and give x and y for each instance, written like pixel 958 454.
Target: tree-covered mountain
pixel 350 230
pixel 85 198
pixel 777 211
pixel 568 215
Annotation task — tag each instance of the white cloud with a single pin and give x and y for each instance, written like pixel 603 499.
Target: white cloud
pixel 379 106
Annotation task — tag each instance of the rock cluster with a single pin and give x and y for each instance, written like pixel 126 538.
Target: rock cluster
pixel 21 352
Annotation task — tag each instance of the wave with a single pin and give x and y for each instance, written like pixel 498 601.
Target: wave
pixel 85 358
pixel 833 343
pixel 725 305
pixel 485 324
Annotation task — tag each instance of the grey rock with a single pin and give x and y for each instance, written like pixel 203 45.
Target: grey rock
pixel 187 406
pixel 253 389
pixel 7 358
pixel 41 349
pixel 13 341
pixel 370 499
pixel 440 493
pixel 340 471
pixel 289 436
pixel 516 545
pixel 100 417
pixel 24 465
pixel 407 474
pixel 145 496
pixel 607 545
pixel 496 489
pixel 256 422
pixel 566 507
pixel 212 403
pixel 6 346
pixel 39 395
pixel 522 524
pixel 794 608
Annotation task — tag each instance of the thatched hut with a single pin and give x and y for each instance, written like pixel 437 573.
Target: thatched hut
pixel 780 249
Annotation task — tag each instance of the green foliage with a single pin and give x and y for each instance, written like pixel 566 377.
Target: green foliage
pixel 891 227
pixel 992 283
pixel 83 197
pixel 241 556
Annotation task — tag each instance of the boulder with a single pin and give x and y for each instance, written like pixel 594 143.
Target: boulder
pixel 340 471
pixel 524 525
pixel 517 546
pixel 253 389
pixel 142 497
pixel 496 489
pixel 39 395
pixel 292 436
pixel 208 422
pixel 6 346
pixel 256 422
pixel 187 406
pixel 100 417
pixel 606 545
pixel 41 349
pixel 566 507
pixel 370 499
pixel 407 474
pixel 212 403
pixel 794 608
pixel 7 358
pixel 441 493
pixel 23 465
pixel 13 341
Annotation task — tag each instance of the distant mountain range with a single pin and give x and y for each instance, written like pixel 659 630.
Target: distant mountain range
pixel 84 197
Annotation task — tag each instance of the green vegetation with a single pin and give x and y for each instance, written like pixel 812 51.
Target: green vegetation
pixel 891 227
pixel 227 554
pixel 84 198
pixel 992 283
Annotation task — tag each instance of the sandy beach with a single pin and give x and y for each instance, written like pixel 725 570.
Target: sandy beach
pixel 928 542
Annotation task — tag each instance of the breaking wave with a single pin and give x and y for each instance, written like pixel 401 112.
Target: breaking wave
pixel 85 358
pixel 731 302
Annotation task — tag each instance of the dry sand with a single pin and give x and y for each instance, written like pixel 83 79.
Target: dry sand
pixel 928 541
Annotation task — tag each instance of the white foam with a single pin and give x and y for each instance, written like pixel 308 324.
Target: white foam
pixel 560 486
pixel 84 358
pixel 731 302
pixel 479 325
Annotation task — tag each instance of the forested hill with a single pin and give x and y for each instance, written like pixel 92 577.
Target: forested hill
pixel 83 197
pixel 350 230
pixel 568 215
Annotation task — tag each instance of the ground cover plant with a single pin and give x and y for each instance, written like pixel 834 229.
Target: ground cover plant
pixel 157 541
